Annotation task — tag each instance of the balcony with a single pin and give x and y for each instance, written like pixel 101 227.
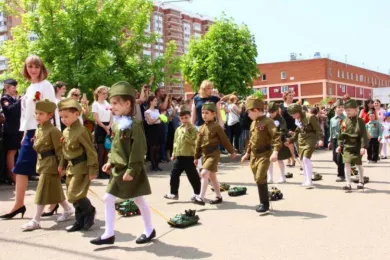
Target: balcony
pixel 175 36
pixel 174 20
pixel 174 14
pixel 3 28
pixel 172 28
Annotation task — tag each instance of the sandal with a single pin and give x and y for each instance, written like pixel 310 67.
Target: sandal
pixel 65 216
pixel 31 225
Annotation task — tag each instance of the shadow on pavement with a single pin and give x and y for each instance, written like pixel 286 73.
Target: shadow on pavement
pixel 162 249
pixel 290 213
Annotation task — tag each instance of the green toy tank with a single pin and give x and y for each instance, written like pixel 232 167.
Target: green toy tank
pixel 184 220
pixel 128 208
pixel 237 191
pixel 316 177
pixel 275 194
pixel 222 187
pixel 289 175
pixel 356 179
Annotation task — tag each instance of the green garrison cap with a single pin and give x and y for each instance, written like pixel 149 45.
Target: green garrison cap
pixel 46 106
pixel 184 110
pixel 294 108
pixel 350 103
pixel 69 103
pixel 253 102
pixel 272 107
pixel 210 106
pixel 339 102
pixel 121 88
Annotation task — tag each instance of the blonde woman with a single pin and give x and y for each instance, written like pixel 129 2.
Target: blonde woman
pixel 76 95
pixel 101 110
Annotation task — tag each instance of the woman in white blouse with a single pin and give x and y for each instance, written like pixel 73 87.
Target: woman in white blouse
pixel 103 117
pixel 153 135
pixel 34 71
pixel 76 94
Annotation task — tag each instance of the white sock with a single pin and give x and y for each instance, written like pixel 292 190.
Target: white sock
pixel 214 181
pixel 384 149
pixel 145 214
pixel 282 168
pixel 204 183
pixel 65 205
pixel 308 166
pixel 347 169
pixel 361 173
pixel 304 172
pixel 270 172
pixel 38 213
pixel 109 214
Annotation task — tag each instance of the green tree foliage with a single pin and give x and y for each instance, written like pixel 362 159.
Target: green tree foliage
pixel 226 55
pixel 85 43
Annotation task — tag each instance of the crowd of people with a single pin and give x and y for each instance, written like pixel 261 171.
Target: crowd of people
pixel 49 137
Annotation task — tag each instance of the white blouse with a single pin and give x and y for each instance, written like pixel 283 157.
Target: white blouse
pixel 27 119
pixel 154 114
pixel 103 111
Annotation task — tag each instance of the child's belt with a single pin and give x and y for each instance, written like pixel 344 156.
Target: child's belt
pixel 210 149
pixel 46 154
pixel 262 149
pixel 78 160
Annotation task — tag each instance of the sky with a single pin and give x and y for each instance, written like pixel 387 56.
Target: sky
pixel 356 31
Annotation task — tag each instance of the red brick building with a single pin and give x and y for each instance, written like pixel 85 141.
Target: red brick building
pixel 315 79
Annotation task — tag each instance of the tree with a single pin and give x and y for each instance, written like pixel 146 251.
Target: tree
pixel 226 55
pixel 85 43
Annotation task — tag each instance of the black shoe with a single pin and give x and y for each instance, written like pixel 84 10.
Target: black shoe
pixel 218 200
pixel 262 208
pixel 11 215
pixel 34 178
pixel 75 227
pixel 99 241
pixel 89 220
pixel 198 201
pixel 347 188
pixel 143 239
pixel 51 213
pixel 159 169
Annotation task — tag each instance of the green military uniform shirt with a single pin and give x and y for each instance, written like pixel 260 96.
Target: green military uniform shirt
pixel 77 143
pixel 184 141
pixel 334 126
pixel 307 133
pixel 353 137
pixel 210 136
pixel 281 126
pixel 374 129
pixel 47 144
pixel 264 138
pixel 127 156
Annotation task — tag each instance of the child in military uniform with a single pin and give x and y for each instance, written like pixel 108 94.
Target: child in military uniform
pixel 308 133
pixel 352 142
pixel 284 153
pixel 374 131
pixel 48 147
pixel 126 164
pixel 210 136
pixel 80 162
pixel 183 155
pixel 263 148
pixel 334 130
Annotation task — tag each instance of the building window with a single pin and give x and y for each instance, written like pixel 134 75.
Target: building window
pixel 263 77
pixel 330 91
pixel 342 74
pixel 347 75
pixel 343 88
pixel 330 72
pixel 197 27
pixel 283 75
pixel 361 91
pixel 361 78
pixel 338 73
pixel 263 91
pixel 283 89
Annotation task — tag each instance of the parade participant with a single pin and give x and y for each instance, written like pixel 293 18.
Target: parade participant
pixel 183 155
pixel 385 134
pixel 288 98
pixel 284 152
pixel 308 133
pixel 126 164
pixel 12 136
pixel 210 136
pixel 80 161
pixel 374 132
pixel 263 148
pixel 48 146
pixel 334 130
pixel 352 142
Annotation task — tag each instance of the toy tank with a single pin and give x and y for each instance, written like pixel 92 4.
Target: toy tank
pixel 128 208
pixel 236 191
pixel 275 194
pixel 222 187
pixel 184 220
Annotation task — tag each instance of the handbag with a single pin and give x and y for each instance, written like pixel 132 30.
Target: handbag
pixel 107 142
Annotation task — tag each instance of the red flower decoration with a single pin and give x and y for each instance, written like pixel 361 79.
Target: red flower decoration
pixel 37 96
pixel 330 102
pixel 62 139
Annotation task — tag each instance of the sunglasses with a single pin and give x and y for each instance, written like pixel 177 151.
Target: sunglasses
pixel 76 95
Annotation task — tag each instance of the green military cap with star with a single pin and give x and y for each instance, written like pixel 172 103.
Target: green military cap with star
pixel 294 108
pixel 350 103
pixel 121 88
pixel 210 106
pixel 45 105
pixel 273 106
pixel 339 102
pixel 69 103
pixel 254 103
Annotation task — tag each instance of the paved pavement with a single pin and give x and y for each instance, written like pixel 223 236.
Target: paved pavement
pixel 323 223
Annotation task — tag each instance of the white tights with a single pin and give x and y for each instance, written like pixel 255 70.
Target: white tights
pixel 109 207
pixel 347 167
pixel 41 208
pixel 271 170
pixel 384 149
pixel 205 176
pixel 307 170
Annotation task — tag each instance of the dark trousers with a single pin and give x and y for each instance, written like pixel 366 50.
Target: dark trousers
pixel 184 163
pixel 373 150
pixel 84 211
pixel 338 159
pixel 234 133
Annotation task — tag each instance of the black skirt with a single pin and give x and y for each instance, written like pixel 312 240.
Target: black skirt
pixel 12 141
pixel 100 133
pixel 153 134
pixel 170 137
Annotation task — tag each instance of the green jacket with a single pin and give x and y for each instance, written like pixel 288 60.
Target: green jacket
pixel 308 131
pixel 184 141
pixel 353 134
